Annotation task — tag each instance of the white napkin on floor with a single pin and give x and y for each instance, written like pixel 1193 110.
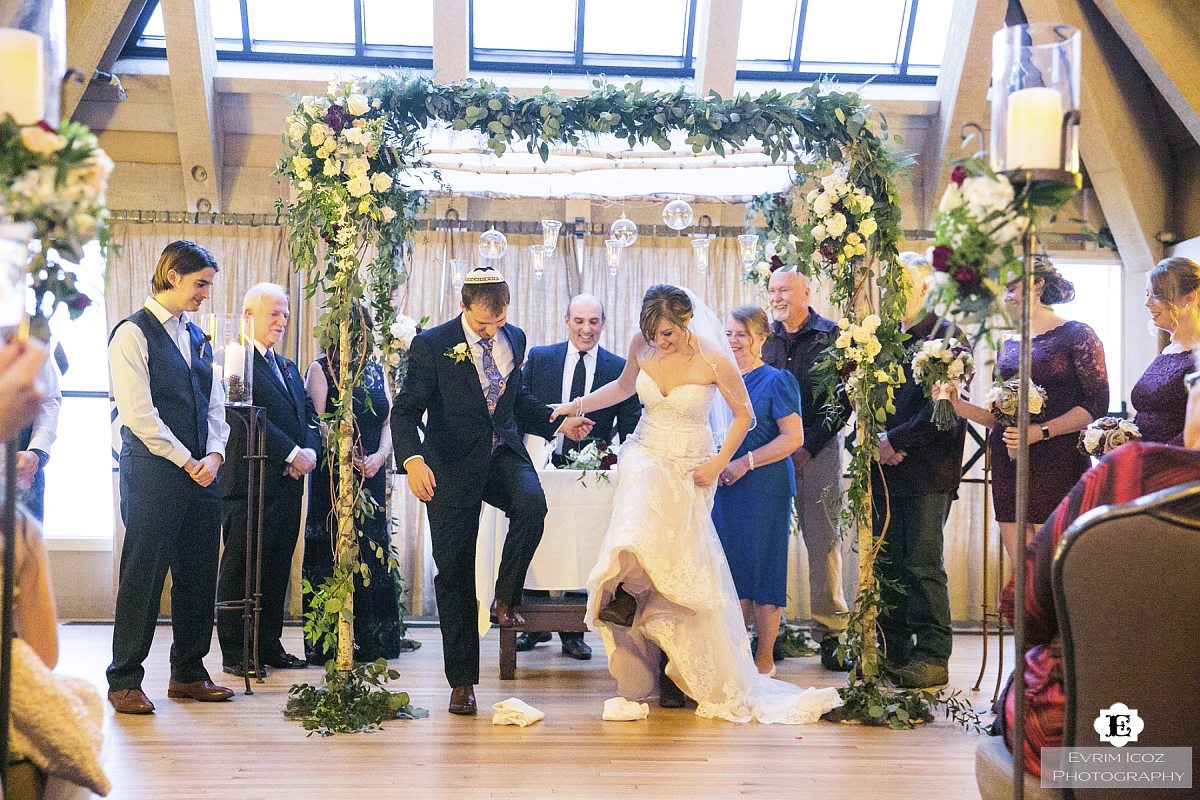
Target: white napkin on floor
pixel 516 712
pixel 618 709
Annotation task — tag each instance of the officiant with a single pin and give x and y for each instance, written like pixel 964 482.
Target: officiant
pixel 558 373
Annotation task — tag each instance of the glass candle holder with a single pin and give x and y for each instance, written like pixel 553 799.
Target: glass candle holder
pixel 612 254
pixel 231 337
pixel 624 230
pixel 1035 102
pixel 537 258
pixel 748 248
pixel 550 230
pixel 700 247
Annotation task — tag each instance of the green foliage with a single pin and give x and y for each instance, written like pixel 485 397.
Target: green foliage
pixel 351 702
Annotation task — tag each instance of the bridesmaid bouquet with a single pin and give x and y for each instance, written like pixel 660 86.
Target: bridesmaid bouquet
pixel 1001 401
pixel 938 366
pixel 1106 434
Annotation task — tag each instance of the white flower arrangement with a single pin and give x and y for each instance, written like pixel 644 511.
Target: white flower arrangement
pixel 1106 434
pixel 840 223
pixel 938 366
pixel 597 456
pixel 855 349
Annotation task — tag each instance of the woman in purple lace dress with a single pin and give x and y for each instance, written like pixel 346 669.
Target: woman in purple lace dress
pixel 1068 362
pixel 1159 395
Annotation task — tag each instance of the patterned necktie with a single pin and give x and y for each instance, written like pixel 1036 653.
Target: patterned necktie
pixel 495 386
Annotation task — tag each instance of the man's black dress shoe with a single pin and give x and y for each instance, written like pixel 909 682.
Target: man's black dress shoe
pixel 236 669
pixel 621 609
pixel 829 657
pixel 528 641
pixel 285 661
pixel 505 615
pixel 574 646
pixel 462 700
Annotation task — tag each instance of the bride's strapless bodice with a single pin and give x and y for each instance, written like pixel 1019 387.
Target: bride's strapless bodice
pixel 675 425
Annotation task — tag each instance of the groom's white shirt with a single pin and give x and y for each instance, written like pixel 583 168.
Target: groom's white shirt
pixel 502 353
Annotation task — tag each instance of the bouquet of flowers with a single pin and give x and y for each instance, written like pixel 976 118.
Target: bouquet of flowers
pixel 397 340
pixel 56 180
pixel 840 222
pixel 977 230
pixel 596 456
pixel 1106 434
pixel 939 364
pixel 1002 401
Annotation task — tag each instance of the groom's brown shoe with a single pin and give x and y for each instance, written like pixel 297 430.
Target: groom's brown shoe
pixel 130 701
pixel 620 610
pixel 204 691
pixel 462 700
pixel 505 616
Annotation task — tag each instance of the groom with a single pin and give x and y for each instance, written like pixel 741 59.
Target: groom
pixel 464 374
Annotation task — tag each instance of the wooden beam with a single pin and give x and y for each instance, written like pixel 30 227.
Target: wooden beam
pixel 962 94
pixel 718 24
pixel 451 40
pixel 1163 36
pixel 192 61
pixel 96 33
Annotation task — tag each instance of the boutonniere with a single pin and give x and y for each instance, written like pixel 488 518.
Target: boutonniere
pixel 460 352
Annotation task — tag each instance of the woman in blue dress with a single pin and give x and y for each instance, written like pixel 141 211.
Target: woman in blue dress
pixel 753 507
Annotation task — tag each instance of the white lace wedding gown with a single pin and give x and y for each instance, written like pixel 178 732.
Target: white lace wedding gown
pixel 661 544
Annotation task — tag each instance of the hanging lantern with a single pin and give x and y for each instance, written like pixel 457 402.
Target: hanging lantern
pixel 550 229
pixel 1035 103
pixel 492 244
pixel 458 272
pixel 537 257
pixel 612 254
pixel 677 214
pixel 700 248
pixel 748 247
pixel 624 231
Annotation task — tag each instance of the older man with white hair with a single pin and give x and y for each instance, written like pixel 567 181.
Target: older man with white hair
pixel 293 443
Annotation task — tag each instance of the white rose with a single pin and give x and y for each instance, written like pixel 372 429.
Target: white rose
pixel 812 196
pixel 836 225
pixel 404 329
pixel 381 182
pixel 332 168
pixel 952 199
pixel 358 186
pixel 1091 439
pixel 353 135
pixel 955 370
pixel 393 359
pixel 842 341
pixel 987 195
pixel 318 133
pixel 42 142
pixel 873 348
pixel 868 226
pixel 388 214
pixel 819 233
pixel 358 105
pixel 823 205
pixel 357 167
pixel 871 323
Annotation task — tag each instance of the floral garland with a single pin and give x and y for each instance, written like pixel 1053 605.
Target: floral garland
pixel 779 240
pixel 55 180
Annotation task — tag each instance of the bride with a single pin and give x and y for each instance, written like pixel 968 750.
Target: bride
pixel 661 589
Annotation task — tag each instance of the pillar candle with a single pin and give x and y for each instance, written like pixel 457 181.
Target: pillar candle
pixel 22 84
pixel 235 361
pixel 1035 118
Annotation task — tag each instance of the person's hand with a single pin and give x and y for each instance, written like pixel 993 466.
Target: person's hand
pixel 734 472
pixel 948 390
pixel 20 393
pixel 420 479
pixel 706 474
pixel 576 428
pixel 370 465
pixel 563 410
pixel 304 462
pixel 27 467
pixel 204 471
pixel 888 455
pixel 1012 433
pixel 799 459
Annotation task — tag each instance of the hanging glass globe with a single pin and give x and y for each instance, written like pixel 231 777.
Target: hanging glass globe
pixel 624 231
pixel 492 244
pixel 677 214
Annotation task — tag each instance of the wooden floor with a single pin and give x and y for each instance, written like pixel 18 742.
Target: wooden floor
pixel 246 749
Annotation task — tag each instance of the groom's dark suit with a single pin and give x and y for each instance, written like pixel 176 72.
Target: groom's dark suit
pixel 458 448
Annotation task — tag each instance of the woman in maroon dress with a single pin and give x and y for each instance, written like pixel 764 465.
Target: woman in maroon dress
pixel 1159 395
pixel 1068 362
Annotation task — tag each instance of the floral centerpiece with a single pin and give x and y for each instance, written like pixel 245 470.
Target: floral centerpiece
pixel 840 222
pixel 977 231
pixel 56 180
pixel 1106 434
pixel 939 365
pixel 1002 401
pixel 597 456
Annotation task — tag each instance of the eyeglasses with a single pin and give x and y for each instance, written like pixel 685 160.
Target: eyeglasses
pixel 1189 380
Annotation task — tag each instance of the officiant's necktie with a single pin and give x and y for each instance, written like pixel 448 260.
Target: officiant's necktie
pixel 579 378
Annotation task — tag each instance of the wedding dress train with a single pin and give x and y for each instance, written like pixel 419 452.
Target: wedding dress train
pixel 662 546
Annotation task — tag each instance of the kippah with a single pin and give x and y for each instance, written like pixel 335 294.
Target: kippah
pixel 484 274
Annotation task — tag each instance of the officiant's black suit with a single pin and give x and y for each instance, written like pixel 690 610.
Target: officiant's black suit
pixel 457 447
pixel 290 421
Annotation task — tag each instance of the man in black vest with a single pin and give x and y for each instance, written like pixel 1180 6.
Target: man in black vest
pixel 464 374
pixel 173 442
pixel 559 373
pixel 922 467
pixel 293 444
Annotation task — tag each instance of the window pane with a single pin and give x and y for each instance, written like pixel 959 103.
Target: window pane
pixel 768 31
pixel 930 32
pixel 315 21
pixel 874 37
pixel 540 25
pixel 636 27
pixel 154 26
pixel 226 22
pixel 1099 302
pixel 84 340
pixel 393 22
pixel 79 477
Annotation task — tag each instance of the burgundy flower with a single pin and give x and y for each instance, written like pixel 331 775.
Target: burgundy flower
pixel 847 369
pixel 966 279
pixel 601 446
pixel 941 257
pixel 776 263
pixel 958 174
pixel 79 302
pixel 337 118
pixel 609 461
pixel 46 126
pixel 828 251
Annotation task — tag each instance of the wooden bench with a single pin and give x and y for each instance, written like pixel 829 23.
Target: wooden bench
pixel 541 613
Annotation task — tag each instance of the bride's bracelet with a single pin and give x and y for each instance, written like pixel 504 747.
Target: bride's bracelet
pixel 579 406
pixel 750 459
